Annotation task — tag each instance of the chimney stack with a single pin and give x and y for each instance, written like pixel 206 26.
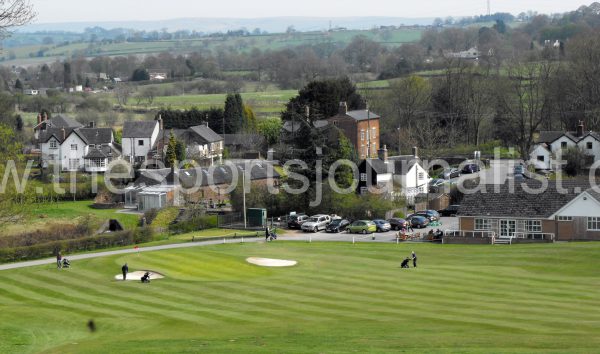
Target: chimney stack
pixel 160 123
pixel 343 108
pixel 580 129
pixel 415 151
pixel 64 134
pixel 92 124
pixel 307 112
pixel 383 154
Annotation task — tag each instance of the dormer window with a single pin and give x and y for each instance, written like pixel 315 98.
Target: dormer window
pixel 53 144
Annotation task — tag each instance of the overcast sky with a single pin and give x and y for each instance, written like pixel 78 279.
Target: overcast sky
pixel 125 10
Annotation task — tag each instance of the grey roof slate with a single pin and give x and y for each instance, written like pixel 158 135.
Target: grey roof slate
pixel 95 136
pixel 403 163
pixel 379 166
pixel 219 175
pixel 362 115
pixel 551 136
pixel 206 133
pixel 142 129
pixel 519 203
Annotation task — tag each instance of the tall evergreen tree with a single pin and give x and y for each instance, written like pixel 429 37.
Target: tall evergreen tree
pixel 233 113
pixel 171 157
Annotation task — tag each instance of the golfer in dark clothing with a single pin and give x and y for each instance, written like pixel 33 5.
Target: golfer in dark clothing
pixel 267 233
pixel 58 260
pixel 414 258
pixel 125 270
pixel 404 263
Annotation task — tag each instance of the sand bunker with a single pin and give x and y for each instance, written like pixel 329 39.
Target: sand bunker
pixel 268 262
pixel 137 275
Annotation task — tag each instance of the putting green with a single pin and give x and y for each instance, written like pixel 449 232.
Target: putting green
pixel 339 298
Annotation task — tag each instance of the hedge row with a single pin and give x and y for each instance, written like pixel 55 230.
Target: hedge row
pixel 50 249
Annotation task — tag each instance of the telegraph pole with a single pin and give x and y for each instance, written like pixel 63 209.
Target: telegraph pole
pixel 489 8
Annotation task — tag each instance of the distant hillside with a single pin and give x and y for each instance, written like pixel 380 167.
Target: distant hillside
pixel 269 24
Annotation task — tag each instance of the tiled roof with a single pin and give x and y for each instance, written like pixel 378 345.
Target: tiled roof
pixel 379 166
pixel 551 136
pixel 95 136
pixel 362 114
pixel 519 203
pixel 403 163
pixel 206 133
pixel 142 129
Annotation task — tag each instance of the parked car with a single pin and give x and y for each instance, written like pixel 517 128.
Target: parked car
pixel 418 221
pixel 450 173
pixel 398 223
pixel 432 215
pixel 382 225
pixel 471 168
pixel 316 223
pixel 451 210
pixel 295 221
pixel 362 226
pixel 519 170
pixel 337 225
pixel 435 185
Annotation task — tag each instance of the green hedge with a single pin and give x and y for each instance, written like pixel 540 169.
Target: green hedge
pixel 194 224
pixel 49 249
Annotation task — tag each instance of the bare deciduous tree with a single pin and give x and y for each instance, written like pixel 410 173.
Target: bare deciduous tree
pixel 14 13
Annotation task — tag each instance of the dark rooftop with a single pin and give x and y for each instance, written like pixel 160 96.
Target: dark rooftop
pixel 142 129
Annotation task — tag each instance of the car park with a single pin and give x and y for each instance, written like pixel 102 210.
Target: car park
pixel 418 221
pixel 432 215
pixel 382 225
pixel 450 210
pixel 471 168
pixel 337 225
pixel 398 223
pixel 450 173
pixel 295 221
pixel 316 223
pixel 362 226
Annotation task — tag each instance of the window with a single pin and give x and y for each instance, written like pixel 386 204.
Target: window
pixel 73 147
pixel 362 135
pixel 363 177
pixel 482 224
pixel 564 218
pixel 533 225
pixel 53 144
pixel 140 142
pixel 335 122
pixel 563 144
pixel 374 132
pixel 541 158
pixel 590 145
pixel 363 190
pixel 593 223
pixel 421 176
pixel 92 146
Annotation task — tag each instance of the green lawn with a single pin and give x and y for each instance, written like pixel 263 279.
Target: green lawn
pixel 340 298
pixel 70 211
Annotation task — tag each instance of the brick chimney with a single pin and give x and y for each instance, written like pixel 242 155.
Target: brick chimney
pixel 415 151
pixel 64 134
pixel 580 129
pixel 343 108
pixel 160 123
pixel 383 154
pixel 92 125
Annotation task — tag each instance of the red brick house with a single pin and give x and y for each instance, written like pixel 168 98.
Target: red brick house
pixel 361 127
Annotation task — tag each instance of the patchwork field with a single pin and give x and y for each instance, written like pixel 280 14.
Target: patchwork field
pixel 339 298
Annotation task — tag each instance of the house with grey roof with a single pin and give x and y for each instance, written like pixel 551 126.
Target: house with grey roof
pixel 70 146
pixel 528 211
pixel 140 140
pixel 202 143
pixel 200 185
pixel 402 175
pixel 547 151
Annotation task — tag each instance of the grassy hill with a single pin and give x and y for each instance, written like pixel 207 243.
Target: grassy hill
pixel 30 54
pixel 340 298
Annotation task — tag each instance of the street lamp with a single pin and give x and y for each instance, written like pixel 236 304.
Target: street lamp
pixel 244 194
